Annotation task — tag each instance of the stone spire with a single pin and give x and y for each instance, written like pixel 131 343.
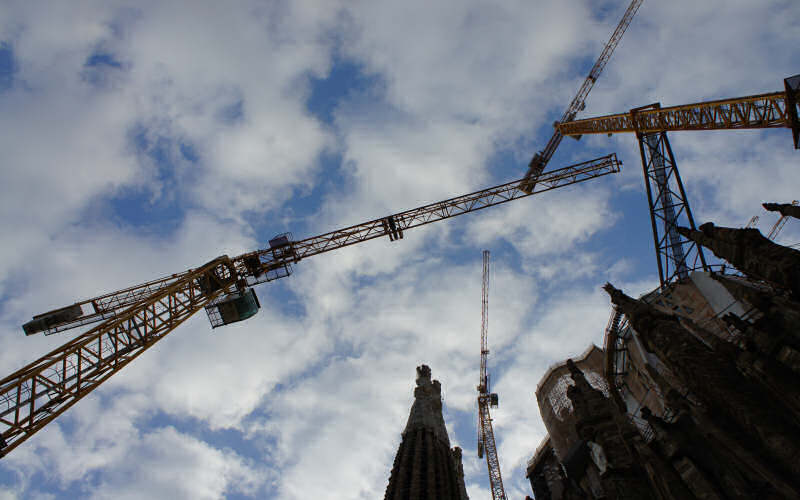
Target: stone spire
pixel 426 412
pixel 783 209
pixel 425 468
pixel 750 252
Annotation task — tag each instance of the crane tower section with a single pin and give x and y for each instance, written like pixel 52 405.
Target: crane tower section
pixel 676 255
pixel 486 443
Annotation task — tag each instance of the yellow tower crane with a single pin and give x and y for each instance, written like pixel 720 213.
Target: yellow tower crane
pixel 486 398
pixel 134 319
pixel 772 110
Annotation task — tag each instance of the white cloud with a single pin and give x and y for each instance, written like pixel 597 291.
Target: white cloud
pixel 169 464
pixel 322 389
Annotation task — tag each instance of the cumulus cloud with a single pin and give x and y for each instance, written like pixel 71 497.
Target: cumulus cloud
pixel 168 464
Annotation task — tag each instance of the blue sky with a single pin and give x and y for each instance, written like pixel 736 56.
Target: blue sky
pixel 141 139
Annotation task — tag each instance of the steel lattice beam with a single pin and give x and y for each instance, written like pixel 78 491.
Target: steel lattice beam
pixel 492 460
pixel 485 431
pixel 391 226
pixel 106 306
pixel 542 158
pixel 750 112
pixel 483 384
pixel 437 211
pixel 267 259
pixel 669 208
pixel 36 394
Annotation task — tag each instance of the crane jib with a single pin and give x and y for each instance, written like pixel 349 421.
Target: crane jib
pixel 33 396
pixel 392 226
pixel 276 261
pixel 542 158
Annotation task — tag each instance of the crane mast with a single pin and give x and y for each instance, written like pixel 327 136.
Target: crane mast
pixel 483 385
pixel 542 158
pixel 486 441
pixel 135 318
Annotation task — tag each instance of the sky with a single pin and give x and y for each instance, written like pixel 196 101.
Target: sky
pixel 139 139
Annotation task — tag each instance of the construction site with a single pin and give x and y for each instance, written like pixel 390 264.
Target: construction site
pixel 689 391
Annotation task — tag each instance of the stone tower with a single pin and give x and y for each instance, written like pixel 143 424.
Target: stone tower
pixel 425 467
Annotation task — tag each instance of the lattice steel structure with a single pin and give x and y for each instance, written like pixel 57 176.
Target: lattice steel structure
pixel 772 110
pixel 486 442
pixel 669 208
pixel 33 396
pixel 542 158
pixel 492 459
pixel 133 319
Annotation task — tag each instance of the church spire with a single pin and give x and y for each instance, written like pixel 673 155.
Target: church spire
pixel 425 468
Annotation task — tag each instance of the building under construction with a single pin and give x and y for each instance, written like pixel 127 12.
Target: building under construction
pixel 695 392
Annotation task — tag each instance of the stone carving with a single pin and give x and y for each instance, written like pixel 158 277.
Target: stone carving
pixel 750 252
pixel 783 208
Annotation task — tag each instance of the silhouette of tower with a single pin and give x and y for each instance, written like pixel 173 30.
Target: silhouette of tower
pixel 425 467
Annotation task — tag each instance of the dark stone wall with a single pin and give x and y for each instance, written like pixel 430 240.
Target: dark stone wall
pixel 733 432
pixel 723 387
pixel 424 469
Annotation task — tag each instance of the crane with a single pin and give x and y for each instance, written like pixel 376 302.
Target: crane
pixel 486 398
pixel 541 159
pixel 133 319
pixel 771 110
pixel 665 192
pixel 669 209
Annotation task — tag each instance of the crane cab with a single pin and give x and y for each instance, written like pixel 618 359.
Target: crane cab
pixel 281 246
pixel 493 400
pixel 233 307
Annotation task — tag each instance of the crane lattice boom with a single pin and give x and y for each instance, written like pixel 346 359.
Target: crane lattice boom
pixel 492 460
pixel 483 385
pixel 486 441
pixel 263 265
pixel 542 158
pixel 36 394
pixel 750 112
pixel 137 317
